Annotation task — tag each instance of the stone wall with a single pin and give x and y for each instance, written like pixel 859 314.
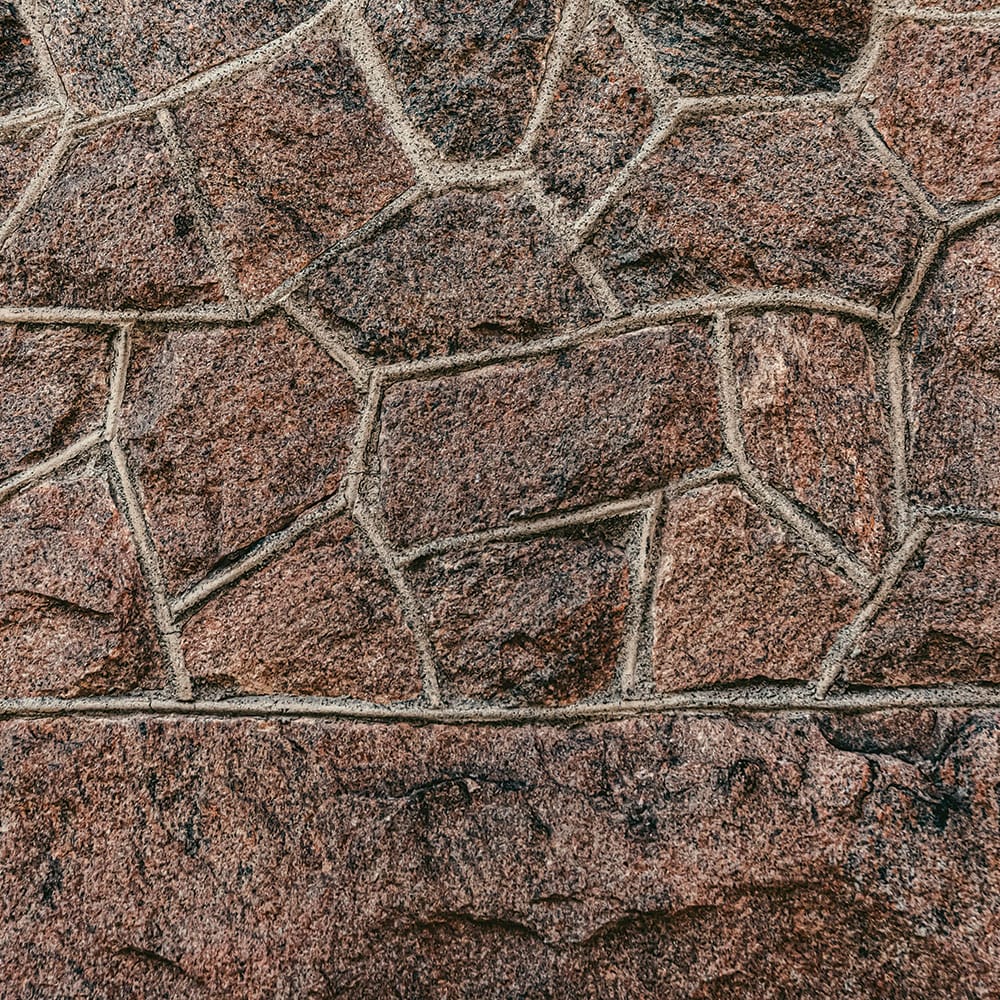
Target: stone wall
pixel 499 499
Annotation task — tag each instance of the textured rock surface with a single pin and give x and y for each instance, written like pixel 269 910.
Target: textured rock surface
pixel 588 424
pixel 818 856
pixel 462 272
pixel 74 615
pixel 21 154
pixel 954 337
pixel 737 598
pixel 321 619
pixel 936 96
pixel 788 200
pixel 20 83
pixel 813 420
pixel 220 468
pixel 534 621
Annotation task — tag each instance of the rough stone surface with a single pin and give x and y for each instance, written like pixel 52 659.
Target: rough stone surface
pixel 954 338
pixel 114 229
pixel 537 621
pixel 600 116
pixel 785 200
pixel 942 623
pixel 54 386
pixel 737 599
pixel 220 466
pixel 468 72
pixel 111 53
pixel 21 154
pixel 592 423
pixel 321 619
pixel 293 156
pixel 74 614
pixel 462 272
pixel 731 46
pixel 936 97
pixel 825 856
pixel 813 420
pixel 20 83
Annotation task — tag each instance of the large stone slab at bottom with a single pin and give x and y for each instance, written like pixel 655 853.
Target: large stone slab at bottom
pixel 694 856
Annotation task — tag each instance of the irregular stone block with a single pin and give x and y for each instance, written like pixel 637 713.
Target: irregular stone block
pixel 232 432
pixel 738 598
pixel 320 619
pixel 293 155
pixel 936 101
pixel 786 200
pixel 74 613
pixel 468 71
pixel 537 621
pixel 813 419
pixel 590 423
pixel 21 85
pixel 463 272
pixel 21 154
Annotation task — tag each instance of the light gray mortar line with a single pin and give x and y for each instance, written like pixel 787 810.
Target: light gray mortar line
pixel 573 19
pixel 981 213
pixel 854 80
pixel 34 188
pixel 898 429
pixel 410 197
pixel 187 170
pixel 843 645
pixel 364 441
pixel 359 369
pixel 595 281
pixel 364 49
pixel 959 514
pixel 98 317
pixel 411 609
pixel 263 552
pixel 772 501
pixel 53 463
pixel 149 563
pixel 638 48
pixel 770 698
pixel 692 108
pixel 639 606
pixel 908 296
pixel 485 175
pixel 970 18
pixel 21 121
pixel 122 348
pixel 46 64
pixel 177 93
pixel 896 167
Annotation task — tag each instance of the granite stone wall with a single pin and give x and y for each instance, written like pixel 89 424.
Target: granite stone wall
pixel 499 499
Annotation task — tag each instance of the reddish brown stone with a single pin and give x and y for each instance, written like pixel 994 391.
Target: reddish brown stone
pixel 54 385
pixel 738 599
pixel 666 858
pixel 535 621
pixel 110 53
pixel 232 431
pixel 321 619
pixel 954 339
pixel 599 118
pixel 20 83
pixel 936 100
pixel 813 420
pixel 591 423
pixel 457 273
pixel 74 614
pixel 730 46
pixel 468 70
pixel 783 200
pixel 113 230
pixel 293 156
pixel 942 622
pixel 21 154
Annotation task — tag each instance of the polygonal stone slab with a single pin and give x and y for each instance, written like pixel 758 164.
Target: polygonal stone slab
pixel 538 621
pixel 293 155
pixel 463 272
pixel 21 85
pixel 21 154
pixel 738 598
pixel 468 70
pixel 936 101
pixel 113 229
pixel 813 419
pixel 320 619
pixel 785 200
pixel 232 431
pixel 74 612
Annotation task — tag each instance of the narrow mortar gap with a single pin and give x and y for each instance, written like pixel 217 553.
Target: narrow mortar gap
pixel 359 369
pixel 121 351
pixel 16 483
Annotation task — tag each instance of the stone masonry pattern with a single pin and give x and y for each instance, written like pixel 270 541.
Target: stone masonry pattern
pixel 499 499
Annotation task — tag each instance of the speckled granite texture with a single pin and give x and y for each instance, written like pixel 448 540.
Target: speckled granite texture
pixel 499 499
